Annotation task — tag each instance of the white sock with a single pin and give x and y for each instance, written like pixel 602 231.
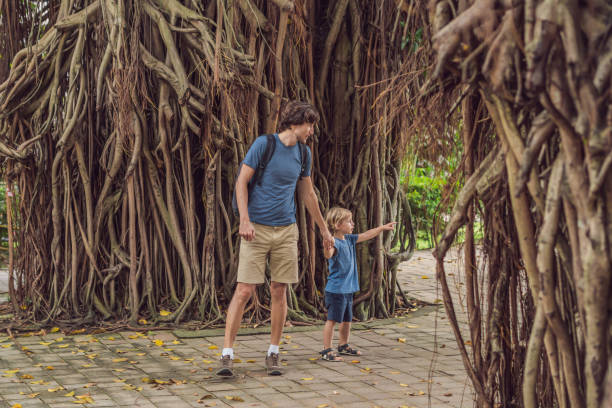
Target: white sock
pixel 228 352
pixel 273 349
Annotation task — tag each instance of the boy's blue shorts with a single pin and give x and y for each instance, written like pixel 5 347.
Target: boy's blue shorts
pixel 339 306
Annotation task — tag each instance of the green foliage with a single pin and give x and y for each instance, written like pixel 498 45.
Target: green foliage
pixel 3 226
pixel 424 192
pixel 415 39
pixel 426 182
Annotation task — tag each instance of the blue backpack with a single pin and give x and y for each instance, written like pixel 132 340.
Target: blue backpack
pixel 256 179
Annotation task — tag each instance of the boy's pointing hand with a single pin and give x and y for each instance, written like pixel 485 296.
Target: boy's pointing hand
pixel 389 226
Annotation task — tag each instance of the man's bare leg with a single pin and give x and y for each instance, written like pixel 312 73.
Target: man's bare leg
pixel 242 294
pixel 278 292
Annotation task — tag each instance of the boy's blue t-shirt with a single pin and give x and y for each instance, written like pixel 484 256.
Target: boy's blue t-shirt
pixel 273 201
pixel 343 277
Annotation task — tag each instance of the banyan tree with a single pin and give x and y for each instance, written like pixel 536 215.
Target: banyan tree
pixel 123 123
pixel 531 83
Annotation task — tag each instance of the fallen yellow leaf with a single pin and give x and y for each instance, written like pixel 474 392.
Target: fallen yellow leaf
pixel 33 395
pixel 27 377
pixel 234 398
pixel 212 347
pixel 308 379
pixel 424 277
pixel 164 313
pixel 207 361
pixel 401 340
pixel 119 380
pixel 158 342
pixel 355 361
pixel 412 326
pixel 119 360
pixel 70 394
pixel 250 361
pixel 63 345
pixel 54 330
pixel 313 358
pixel 403 385
pixel 86 398
pixel 175 358
pixel 44 343
pixel 18 405
pixel 143 321
pixel 322 405
pixel 12 371
pixel 49 368
pixel 176 342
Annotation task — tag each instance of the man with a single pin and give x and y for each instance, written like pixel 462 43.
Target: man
pixel 268 226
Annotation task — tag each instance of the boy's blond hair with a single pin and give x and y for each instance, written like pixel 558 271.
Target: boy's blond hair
pixel 335 216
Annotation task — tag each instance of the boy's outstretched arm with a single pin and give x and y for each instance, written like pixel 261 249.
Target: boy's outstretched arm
pixel 374 232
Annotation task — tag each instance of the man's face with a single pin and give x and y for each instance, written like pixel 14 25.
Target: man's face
pixel 303 131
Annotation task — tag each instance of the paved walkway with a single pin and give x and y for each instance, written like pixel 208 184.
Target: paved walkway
pixel 408 362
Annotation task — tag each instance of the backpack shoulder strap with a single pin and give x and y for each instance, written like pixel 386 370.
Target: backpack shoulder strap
pixel 270 147
pixel 265 159
pixel 303 155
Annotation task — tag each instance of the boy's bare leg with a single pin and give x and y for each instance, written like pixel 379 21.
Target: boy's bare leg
pixel 328 334
pixel 278 292
pixel 344 332
pixel 242 294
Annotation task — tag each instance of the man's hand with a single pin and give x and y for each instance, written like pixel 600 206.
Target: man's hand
pixel 328 240
pixel 246 230
pixel 389 226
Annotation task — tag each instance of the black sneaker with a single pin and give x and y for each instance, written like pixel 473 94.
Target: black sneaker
pixel 227 367
pixel 273 365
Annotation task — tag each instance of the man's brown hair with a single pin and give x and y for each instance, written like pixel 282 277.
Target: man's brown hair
pixel 297 113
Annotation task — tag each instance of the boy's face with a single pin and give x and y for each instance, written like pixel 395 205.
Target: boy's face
pixel 345 226
pixel 303 131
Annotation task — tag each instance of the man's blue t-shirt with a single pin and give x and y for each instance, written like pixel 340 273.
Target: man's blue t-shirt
pixel 343 276
pixel 273 201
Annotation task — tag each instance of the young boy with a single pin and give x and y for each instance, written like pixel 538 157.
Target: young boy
pixel 343 280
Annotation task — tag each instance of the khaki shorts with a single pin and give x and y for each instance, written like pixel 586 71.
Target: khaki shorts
pixel 278 242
